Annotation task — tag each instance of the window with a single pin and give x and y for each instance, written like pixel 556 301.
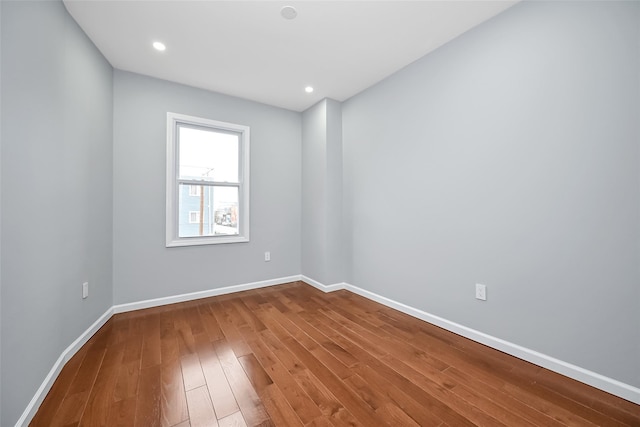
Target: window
pixel 207 181
pixel 194 217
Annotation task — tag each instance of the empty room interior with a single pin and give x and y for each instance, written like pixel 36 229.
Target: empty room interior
pixel 398 213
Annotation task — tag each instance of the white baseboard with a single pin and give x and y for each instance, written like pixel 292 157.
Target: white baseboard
pixel 323 288
pixel 594 379
pixel 586 376
pixel 66 355
pixel 156 302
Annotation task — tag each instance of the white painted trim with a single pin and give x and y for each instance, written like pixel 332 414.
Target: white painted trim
pixel 594 379
pixel 591 378
pixel 156 302
pixel 70 351
pixel 66 355
pixel 586 376
pixel 320 286
pixel 172 181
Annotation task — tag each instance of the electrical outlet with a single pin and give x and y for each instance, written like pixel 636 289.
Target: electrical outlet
pixel 481 292
pixel 267 256
pixel 85 290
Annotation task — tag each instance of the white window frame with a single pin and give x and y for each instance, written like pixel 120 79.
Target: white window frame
pixel 173 181
pixel 194 190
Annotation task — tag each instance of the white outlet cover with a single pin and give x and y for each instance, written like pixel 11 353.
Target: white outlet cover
pixel 481 292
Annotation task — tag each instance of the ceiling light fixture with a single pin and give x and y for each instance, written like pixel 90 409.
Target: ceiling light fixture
pixel 308 89
pixel 159 46
pixel 289 12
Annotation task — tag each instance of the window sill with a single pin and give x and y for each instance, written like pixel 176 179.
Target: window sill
pixel 200 241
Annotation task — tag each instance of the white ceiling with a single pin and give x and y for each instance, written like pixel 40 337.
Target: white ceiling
pixel 248 50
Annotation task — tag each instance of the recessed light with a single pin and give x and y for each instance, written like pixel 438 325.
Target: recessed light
pixel 159 46
pixel 308 89
pixel 289 12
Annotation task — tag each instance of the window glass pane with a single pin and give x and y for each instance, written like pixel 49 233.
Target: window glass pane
pixel 225 208
pixel 212 212
pixel 208 155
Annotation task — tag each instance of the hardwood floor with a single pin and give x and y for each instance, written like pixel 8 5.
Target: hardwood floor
pixel 291 355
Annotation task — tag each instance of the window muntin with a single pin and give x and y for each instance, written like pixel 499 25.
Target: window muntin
pixel 207 181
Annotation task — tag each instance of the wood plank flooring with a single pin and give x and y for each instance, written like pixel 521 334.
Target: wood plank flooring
pixel 290 355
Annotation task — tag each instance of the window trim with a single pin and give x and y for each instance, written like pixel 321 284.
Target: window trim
pixel 173 181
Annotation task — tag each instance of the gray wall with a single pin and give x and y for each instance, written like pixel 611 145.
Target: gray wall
pixel 322 236
pixel 143 267
pixel 56 192
pixel 0 213
pixel 314 165
pixel 510 157
pixel 334 212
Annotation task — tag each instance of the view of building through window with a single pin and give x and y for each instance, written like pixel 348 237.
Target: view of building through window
pixel 210 158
